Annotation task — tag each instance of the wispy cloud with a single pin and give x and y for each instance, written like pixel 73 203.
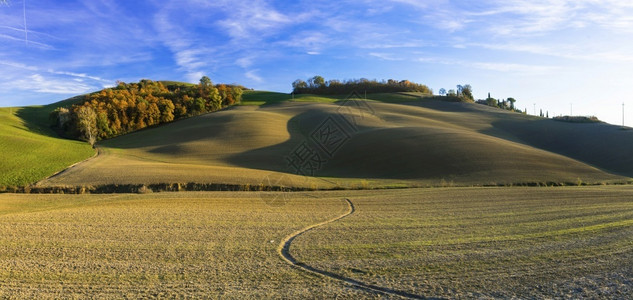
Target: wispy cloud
pixel 397 44
pixel 187 55
pixel 79 45
pixel 17 65
pixel 44 84
pixel 252 75
pixel 22 66
pixel 246 20
pixel 512 67
pixel 524 17
pixel 313 41
pixel 80 75
pixel 385 56
pixel 493 66
pixel 19 76
pixel 571 52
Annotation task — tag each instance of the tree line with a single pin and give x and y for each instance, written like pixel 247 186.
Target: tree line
pixel 132 106
pixel 318 85
pixel 463 93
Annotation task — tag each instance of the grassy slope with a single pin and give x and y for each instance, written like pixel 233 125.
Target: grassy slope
pixel 30 150
pixel 454 243
pixel 415 143
pixel 264 97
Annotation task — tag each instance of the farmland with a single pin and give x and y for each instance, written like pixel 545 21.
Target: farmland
pixel 445 242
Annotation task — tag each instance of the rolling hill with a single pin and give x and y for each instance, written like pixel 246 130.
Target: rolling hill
pixel 30 150
pixel 401 140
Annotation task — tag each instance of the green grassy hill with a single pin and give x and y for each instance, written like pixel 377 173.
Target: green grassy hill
pixel 416 143
pixel 29 150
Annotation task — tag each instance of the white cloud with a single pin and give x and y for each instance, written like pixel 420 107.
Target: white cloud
pixel 194 76
pixel 17 65
pixel 79 75
pixel 397 44
pixel 493 66
pixel 245 62
pixel 511 67
pixel 250 19
pixel 25 42
pixel 30 78
pixel 41 84
pixel 524 17
pixel 253 76
pixel 588 53
pixel 186 55
pixel 312 40
pixel 385 56
pixel 22 66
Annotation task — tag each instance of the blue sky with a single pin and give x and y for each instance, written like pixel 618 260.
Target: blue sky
pixel 556 55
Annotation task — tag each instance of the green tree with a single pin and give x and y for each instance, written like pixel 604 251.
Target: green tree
pixel 199 105
pixel 205 81
pixel 214 99
pixel 512 100
pixel 299 84
pixel 237 94
pixel 317 82
pixel 103 125
pixel 467 92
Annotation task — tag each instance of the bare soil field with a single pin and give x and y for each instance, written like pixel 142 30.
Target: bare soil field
pixel 444 242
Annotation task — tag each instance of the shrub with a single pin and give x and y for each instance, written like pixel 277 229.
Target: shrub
pixel 143 189
pixel 577 119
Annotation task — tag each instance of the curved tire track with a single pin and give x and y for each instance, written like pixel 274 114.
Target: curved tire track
pixel 284 252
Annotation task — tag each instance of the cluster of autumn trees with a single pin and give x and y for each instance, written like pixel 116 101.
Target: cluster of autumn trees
pixel 318 85
pixel 133 106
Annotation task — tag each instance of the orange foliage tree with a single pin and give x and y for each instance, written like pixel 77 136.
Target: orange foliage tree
pixel 133 106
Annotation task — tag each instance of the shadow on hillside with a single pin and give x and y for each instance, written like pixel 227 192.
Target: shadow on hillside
pixel 601 145
pixel 446 106
pixel 302 153
pixel 363 150
pixel 36 118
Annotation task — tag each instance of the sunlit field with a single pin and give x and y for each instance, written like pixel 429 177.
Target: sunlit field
pixel 449 242
pixel 30 152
